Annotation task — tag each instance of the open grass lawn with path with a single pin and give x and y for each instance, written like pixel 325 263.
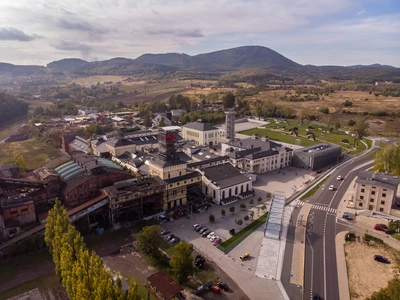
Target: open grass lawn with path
pixel 35 152
pixel 280 132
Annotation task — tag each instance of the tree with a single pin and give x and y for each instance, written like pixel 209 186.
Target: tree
pixel 337 125
pixel 239 222
pixel 259 199
pixel 146 120
pixel 211 218
pixel 246 218
pixel 251 202
pixel 181 262
pixel 162 122
pixel 20 161
pixel 223 212
pixel 229 100
pixel 149 241
pixel 269 196
pixel 232 209
pixel 351 122
pixel 242 205
pixel 361 129
pixel 263 207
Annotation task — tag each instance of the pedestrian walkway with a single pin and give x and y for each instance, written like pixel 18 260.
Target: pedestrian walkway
pixel 319 206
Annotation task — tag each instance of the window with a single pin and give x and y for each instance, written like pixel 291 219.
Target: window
pixel 371 200
pixel 382 202
pixel 363 185
pixel 170 185
pixel 360 204
pixel 362 190
pixel 381 209
pixel 384 190
pixel 383 195
pixel 361 197
pixel 373 193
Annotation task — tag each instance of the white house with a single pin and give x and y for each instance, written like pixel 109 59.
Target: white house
pixel 225 184
pixel 201 133
pixel 157 120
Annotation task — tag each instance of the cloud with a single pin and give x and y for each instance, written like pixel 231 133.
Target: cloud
pixel 13 34
pixel 79 26
pixel 195 33
pixel 74 46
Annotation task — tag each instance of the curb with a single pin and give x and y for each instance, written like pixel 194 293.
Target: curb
pixel 343 280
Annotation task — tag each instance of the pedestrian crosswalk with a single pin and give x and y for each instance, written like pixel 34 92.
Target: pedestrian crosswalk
pixel 319 207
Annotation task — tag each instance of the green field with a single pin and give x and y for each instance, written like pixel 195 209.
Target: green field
pixel 35 152
pixel 276 132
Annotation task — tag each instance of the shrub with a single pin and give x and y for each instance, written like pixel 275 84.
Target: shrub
pixel 246 218
pixel 259 199
pixel 242 205
pixel 347 103
pixel 239 222
pixel 324 110
pixel 232 209
pixel 350 237
pixel 251 202
pixel 211 218
pixel 368 238
pixel 351 122
pixel 263 207
pixel 223 212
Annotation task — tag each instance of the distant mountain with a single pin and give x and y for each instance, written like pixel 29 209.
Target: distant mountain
pixel 367 66
pixel 246 57
pixel 67 64
pixel 17 70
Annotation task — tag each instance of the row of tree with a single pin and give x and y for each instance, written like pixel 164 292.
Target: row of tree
pixel 388 160
pixel 80 271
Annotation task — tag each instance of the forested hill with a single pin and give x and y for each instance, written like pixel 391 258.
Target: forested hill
pixel 11 108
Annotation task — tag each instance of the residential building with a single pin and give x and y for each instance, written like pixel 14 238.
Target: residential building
pixel 177 112
pixel 257 155
pixel 159 119
pixel 225 184
pixel 317 157
pixel 201 133
pixel 375 191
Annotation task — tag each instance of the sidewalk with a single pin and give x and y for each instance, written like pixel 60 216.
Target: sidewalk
pixel 297 270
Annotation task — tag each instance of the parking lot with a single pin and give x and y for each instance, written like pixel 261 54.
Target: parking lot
pixel 285 182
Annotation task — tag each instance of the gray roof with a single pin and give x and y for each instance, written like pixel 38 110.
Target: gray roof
pixel 319 147
pixel 207 161
pixel 225 175
pixel 380 179
pixel 200 126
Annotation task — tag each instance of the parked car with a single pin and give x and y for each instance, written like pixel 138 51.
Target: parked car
pixel 164 231
pixel 204 229
pixel 171 219
pixel 380 227
pixel 161 219
pixel 223 286
pixel 170 237
pixel 205 233
pixel 339 178
pixel 195 226
pixel 331 187
pixel 199 228
pixel 210 234
pixel 245 255
pixel 381 259
pixel 216 289
pixel 347 217
pixel 213 238
pixel 217 242
pixel 175 240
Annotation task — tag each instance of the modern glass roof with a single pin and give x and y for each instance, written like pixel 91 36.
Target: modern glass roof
pixel 109 163
pixel 274 221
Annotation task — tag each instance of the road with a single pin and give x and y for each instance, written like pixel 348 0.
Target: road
pixel 320 254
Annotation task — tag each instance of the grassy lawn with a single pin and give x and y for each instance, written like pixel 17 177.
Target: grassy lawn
pixel 396 236
pixel 35 152
pixel 313 190
pixel 44 284
pixel 7 127
pixel 242 234
pixel 275 131
pixel 11 268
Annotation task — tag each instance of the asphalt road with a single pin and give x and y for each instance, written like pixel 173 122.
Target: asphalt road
pixel 320 275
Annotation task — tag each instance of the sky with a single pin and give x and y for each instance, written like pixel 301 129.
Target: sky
pixel 318 32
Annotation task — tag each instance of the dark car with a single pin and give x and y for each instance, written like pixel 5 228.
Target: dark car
pixel 316 296
pixel 170 237
pixel 175 240
pixel 381 259
pixel 201 231
pixel 205 233
pixel 223 286
pixel 199 228
pixel 347 217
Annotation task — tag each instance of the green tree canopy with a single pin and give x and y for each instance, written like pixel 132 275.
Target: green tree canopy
pixel 149 241
pixel 182 262
pixel 229 100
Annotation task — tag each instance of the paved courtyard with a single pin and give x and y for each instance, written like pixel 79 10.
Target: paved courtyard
pixel 285 182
